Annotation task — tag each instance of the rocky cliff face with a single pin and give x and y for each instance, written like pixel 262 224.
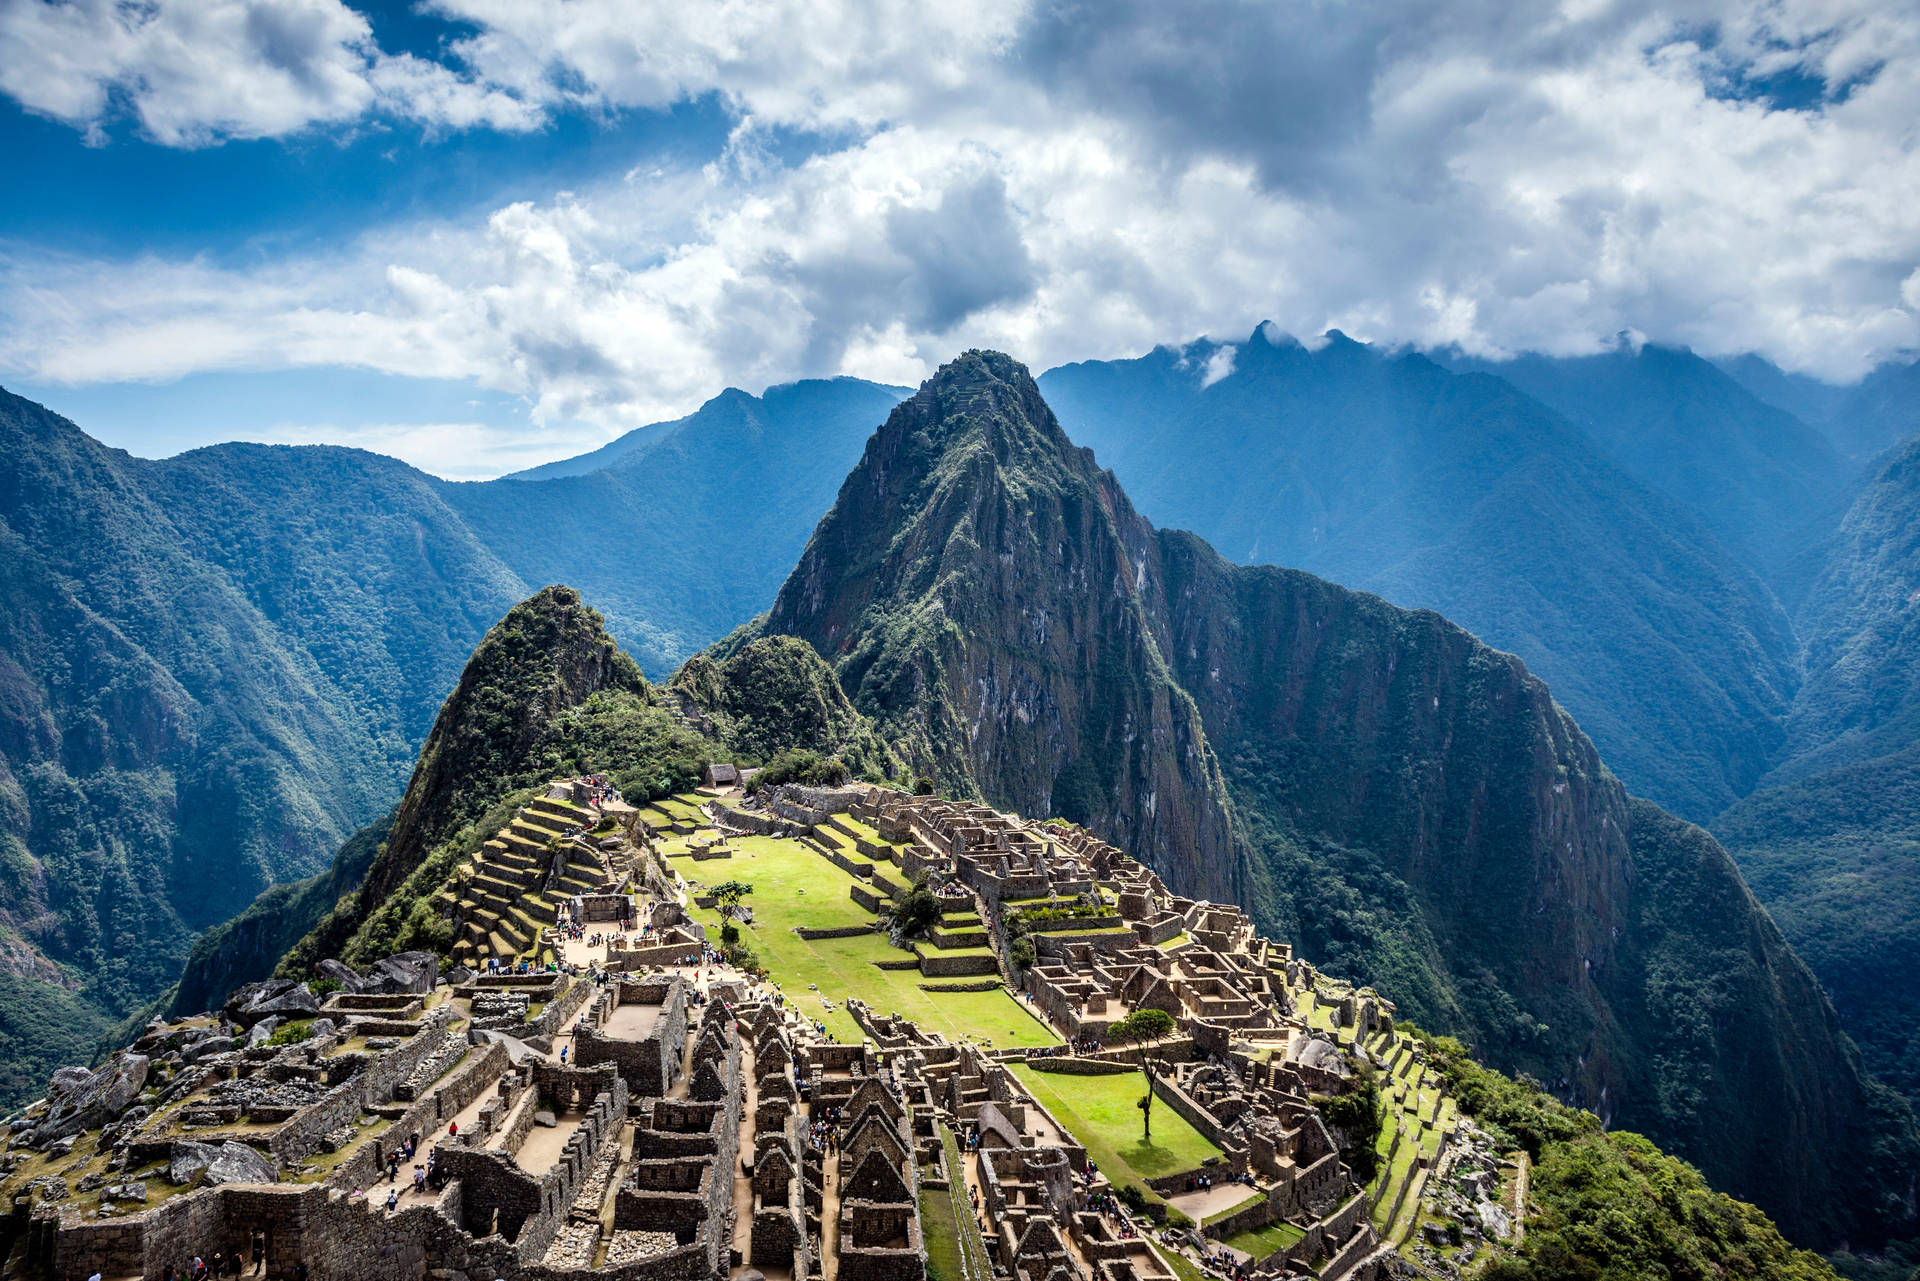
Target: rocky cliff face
pixel 1372 782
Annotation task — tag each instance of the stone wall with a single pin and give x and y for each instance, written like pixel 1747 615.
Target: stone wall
pixel 1074 1066
pixel 836 932
pixel 648 1066
pixel 373 1085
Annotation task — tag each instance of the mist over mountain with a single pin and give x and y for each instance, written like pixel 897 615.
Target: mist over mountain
pixel 1458 493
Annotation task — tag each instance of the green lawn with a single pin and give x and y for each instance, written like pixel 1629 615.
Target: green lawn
pixel 941 1235
pixel 1102 1113
pixel 794 886
pixel 1264 1241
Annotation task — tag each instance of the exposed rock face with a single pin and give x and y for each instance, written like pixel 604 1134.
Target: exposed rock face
pixel 282 997
pixel 81 1100
pixel 1373 783
pixel 406 972
pixel 229 1162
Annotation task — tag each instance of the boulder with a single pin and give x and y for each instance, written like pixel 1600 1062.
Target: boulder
pixel 229 1162
pixel 322 1027
pixel 51 1187
pixel 263 1029
pixel 340 972
pixel 278 996
pixel 547 1119
pixel 459 974
pixel 65 1084
pixel 136 1190
pixel 205 1046
pixel 90 1100
pixel 1494 1220
pixel 414 972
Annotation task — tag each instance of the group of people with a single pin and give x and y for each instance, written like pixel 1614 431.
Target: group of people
pixel 222 1265
pixel 600 789
pixel 823 1130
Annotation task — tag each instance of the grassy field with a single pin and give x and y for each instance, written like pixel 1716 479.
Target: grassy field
pixel 793 886
pixel 1264 1241
pixel 941 1236
pixel 1100 1112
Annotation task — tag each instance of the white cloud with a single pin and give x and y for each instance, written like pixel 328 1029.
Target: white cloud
pixel 194 72
pixel 1064 183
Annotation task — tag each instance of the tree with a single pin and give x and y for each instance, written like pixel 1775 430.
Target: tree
pixel 1141 1029
pixel 914 914
pixel 726 899
pixel 727 896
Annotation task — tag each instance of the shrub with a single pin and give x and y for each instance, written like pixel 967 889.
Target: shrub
pixel 798 765
pixel 291 1033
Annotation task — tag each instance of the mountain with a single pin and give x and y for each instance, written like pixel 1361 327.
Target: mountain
pixel 216 668
pixel 546 685
pixel 169 743
pixel 1407 805
pixel 835 407
pixel 546 693
pixel 688 534
pixel 1861 422
pixel 1879 413
pixel 1458 493
pixel 1831 842
pixel 1807 398
pixel 1763 481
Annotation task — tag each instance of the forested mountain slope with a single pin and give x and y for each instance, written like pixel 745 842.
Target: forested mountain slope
pixel 168 747
pixel 1408 804
pixel 1387 473
pixel 1831 842
pixel 1763 481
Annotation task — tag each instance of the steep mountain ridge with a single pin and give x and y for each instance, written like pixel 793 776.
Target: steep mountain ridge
pixel 1355 774
pixel 1831 841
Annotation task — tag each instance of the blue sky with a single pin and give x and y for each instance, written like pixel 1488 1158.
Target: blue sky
pixel 479 234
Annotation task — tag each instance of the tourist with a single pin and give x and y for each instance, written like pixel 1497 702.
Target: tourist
pixel 393 1200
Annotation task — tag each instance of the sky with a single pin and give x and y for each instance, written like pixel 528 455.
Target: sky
pixel 481 234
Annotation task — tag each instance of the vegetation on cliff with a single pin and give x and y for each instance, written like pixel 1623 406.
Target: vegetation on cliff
pixel 772 695
pixel 1611 1206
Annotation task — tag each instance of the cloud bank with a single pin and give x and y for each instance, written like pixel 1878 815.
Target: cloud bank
pixel 1063 181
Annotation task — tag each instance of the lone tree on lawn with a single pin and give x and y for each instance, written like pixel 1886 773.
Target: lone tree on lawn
pixel 1140 1029
pixel 726 899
